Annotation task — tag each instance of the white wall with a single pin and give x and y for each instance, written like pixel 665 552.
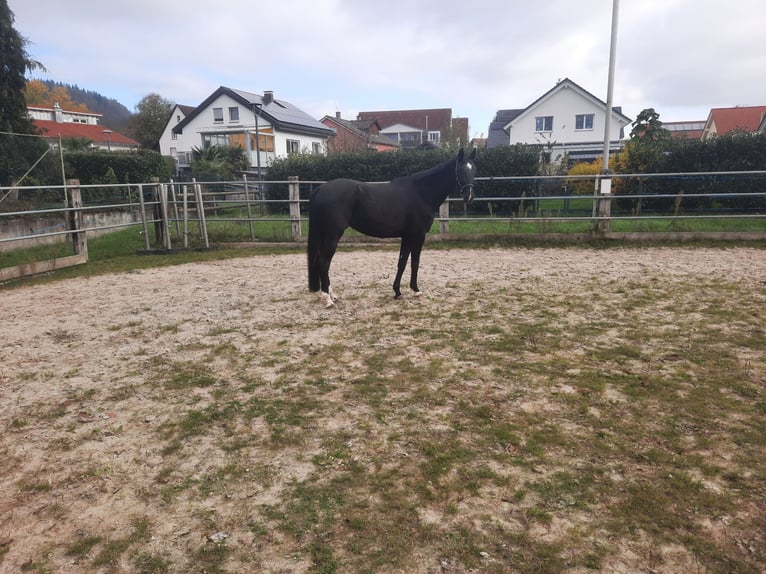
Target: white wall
pixel 564 105
pixel 204 123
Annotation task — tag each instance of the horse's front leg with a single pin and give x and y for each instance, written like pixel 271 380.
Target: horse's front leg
pixel 417 247
pixel 404 254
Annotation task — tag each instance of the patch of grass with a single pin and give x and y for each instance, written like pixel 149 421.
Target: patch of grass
pixel 82 547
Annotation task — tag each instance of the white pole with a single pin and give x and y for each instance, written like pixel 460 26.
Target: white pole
pixel 610 83
pixel 605 184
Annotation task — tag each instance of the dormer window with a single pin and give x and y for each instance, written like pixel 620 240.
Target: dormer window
pixel 234 114
pixel 218 115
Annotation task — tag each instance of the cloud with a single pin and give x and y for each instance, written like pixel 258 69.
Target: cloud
pixel 478 57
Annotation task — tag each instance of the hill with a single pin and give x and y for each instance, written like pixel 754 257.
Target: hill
pixel 114 115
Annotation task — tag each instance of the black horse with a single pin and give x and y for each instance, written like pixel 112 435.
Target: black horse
pixel 404 207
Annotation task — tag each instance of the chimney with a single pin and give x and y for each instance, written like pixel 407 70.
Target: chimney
pixel 268 97
pixel 58 116
pixel 337 115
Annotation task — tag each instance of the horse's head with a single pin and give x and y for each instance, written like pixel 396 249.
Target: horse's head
pixel 465 171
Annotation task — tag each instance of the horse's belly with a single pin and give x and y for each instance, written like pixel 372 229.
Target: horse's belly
pixel 377 230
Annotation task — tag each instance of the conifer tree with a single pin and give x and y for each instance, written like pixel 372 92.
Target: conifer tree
pixel 14 64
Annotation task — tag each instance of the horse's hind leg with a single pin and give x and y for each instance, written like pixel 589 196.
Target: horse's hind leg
pixel 327 252
pixel 404 254
pixel 417 247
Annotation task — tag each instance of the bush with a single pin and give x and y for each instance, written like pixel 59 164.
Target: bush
pixel 92 167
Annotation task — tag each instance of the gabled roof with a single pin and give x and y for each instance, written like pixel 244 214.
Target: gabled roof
pixel 504 119
pixel 281 114
pixel 399 129
pixel 186 110
pixel 566 83
pixel 95 133
pixel 727 120
pixel 497 134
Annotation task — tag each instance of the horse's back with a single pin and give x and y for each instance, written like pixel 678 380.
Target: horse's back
pixel 390 209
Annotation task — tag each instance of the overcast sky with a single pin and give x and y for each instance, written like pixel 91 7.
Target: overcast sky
pixel 681 57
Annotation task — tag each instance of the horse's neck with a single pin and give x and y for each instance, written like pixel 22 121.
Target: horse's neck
pixel 436 183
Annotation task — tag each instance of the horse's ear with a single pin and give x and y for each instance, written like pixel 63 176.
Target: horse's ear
pixel 460 155
pixel 473 154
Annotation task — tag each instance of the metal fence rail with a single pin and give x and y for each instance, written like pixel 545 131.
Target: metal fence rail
pixel 172 214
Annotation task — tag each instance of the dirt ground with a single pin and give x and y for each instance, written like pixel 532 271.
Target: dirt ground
pixel 80 420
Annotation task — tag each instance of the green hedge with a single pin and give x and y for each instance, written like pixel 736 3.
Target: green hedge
pixel 517 160
pixel 736 152
pixel 131 167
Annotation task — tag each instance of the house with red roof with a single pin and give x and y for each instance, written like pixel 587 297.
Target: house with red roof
pixel 722 121
pixel 55 123
pixel 685 130
pixel 356 135
pixel 419 128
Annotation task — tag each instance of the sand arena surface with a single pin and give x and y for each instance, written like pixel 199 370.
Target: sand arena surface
pixel 84 444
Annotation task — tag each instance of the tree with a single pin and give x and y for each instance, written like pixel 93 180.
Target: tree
pixel 218 162
pixel 17 152
pixel 43 95
pixel 584 186
pixel 146 126
pixel 648 127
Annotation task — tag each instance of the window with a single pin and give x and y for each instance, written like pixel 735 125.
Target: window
pixel 293 146
pixel 434 137
pixel 265 142
pixel 584 122
pixel 234 114
pixel 544 124
pixel 316 148
pixel 209 140
pixel 218 115
pixel 174 136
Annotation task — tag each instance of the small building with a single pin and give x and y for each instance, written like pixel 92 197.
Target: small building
pixel 55 123
pixel 264 126
pixel 356 135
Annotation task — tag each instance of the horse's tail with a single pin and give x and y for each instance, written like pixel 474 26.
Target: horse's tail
pixel 314 250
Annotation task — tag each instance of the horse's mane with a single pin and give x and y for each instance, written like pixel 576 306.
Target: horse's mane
pixel 432 170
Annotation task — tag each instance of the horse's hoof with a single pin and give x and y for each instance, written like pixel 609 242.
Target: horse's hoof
pixel 418 293
pixel 398 296
pixel 328 302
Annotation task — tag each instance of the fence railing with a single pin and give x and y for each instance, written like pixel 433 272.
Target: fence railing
pixel 185 214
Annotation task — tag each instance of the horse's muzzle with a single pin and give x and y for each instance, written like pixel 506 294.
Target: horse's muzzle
pixel 468 194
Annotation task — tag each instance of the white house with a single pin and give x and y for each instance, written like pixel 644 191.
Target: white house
pixel 169 141
pixel 56 123
pixel 267 128
pixel 566 119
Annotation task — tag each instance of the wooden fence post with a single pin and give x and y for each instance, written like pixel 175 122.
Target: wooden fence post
pixel 444 215
pixel 295 206
pixel 159 220
pixel 76 224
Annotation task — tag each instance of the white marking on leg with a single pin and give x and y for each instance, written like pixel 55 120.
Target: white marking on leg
pixel 327 300
pixel 418 293
pixel 333 295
